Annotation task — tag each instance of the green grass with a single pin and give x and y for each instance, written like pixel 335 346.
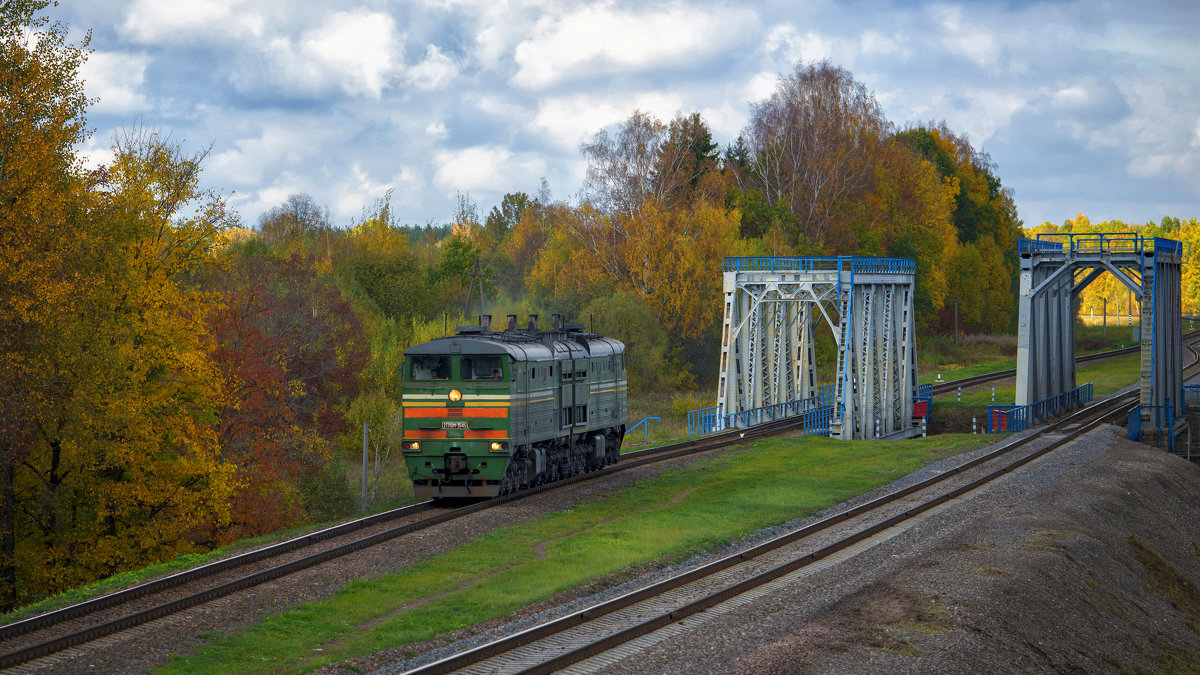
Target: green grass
pixel 695 509
pixel 979 354
pixel 1106 377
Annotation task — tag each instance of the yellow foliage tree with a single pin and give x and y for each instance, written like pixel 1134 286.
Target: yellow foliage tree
pixel 125 466
pixel 909 214
pixel 668 257
pixel 41 120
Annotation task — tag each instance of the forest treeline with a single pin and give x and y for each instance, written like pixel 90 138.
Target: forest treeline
pixel 171 380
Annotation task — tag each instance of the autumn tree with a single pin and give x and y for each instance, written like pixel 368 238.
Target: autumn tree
pixel 292 349
pixel 908 214
pixel 42 108
pixel 298 214
pixel 985 220
pixel 811 146
pixel 125 467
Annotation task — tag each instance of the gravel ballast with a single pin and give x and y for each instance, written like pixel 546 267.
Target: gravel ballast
pixel 1086 560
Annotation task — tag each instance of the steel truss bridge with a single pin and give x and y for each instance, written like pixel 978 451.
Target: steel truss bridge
pixel 1055 268
pixel 772 308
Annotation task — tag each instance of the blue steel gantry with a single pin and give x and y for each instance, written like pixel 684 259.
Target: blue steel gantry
pixel 1055 268
pixel 767 346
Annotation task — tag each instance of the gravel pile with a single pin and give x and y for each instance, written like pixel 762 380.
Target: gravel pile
pixel 1085 560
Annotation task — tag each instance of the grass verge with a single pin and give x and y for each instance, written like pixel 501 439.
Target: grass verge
pixel 698 508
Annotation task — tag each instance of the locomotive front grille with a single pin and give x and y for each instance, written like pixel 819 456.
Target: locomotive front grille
pixel 454 412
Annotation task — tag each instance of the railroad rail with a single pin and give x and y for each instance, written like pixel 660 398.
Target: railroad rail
pixel 22 643
pixel 25 640
pixel 613 624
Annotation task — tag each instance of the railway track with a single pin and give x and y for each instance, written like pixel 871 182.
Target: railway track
pixel 55 631
pixel 604 632
pixel 951 385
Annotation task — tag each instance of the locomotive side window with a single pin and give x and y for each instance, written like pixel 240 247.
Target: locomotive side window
pixel 426 368
pixel 482 368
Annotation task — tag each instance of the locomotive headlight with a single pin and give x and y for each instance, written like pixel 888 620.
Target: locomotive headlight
pixel 455 395
pixel 495 445
pixel 411 445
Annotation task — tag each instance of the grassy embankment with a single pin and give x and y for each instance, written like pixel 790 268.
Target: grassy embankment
pixel 670 518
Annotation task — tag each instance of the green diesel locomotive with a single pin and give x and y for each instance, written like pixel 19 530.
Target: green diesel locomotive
pixel 487 413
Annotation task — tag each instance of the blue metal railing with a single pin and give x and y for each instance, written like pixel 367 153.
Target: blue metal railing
pixel 860 264
pixel 816 412
pixel 1010 418
pixel 702 421
pixel 645 429
pixel 1103 242
pixel 1162 421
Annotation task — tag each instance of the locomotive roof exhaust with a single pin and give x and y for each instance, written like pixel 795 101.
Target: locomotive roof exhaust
pixel 512 323
pixel 533 322
pixel 485 320
pixel 556 321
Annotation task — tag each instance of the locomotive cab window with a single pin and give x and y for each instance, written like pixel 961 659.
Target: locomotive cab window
pixel 426 368
pixel 482 368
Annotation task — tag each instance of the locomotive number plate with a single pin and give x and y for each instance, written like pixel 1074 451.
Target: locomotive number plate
pixel 454 425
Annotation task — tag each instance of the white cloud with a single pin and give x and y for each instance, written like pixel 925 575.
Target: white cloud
pixel 116 79
pixel 358 192
pixel 486 168
pixel 787 46
pixel 986 111
pixel 251 158
pixel 605 39
pixel 726 121
pixel 975 43
pixel 434 72
pixel 436 129
pixel 357 52
pixel 571 120
pixel 155 21
pixel 1076 96
pixel 760 87
pixel 876 43
pixel 358 48
pixel 1153 134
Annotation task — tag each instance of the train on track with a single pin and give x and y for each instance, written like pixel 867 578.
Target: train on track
pixel 487 413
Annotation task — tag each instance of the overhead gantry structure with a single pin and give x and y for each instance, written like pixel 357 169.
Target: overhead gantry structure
pixel 1055 268
pixel 772 308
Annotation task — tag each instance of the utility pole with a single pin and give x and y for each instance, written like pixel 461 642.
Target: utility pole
pixel 366 433
pixel 956 321
pixel 476 273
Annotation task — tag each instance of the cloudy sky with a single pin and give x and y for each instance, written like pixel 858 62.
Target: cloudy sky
pixel 1084 106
